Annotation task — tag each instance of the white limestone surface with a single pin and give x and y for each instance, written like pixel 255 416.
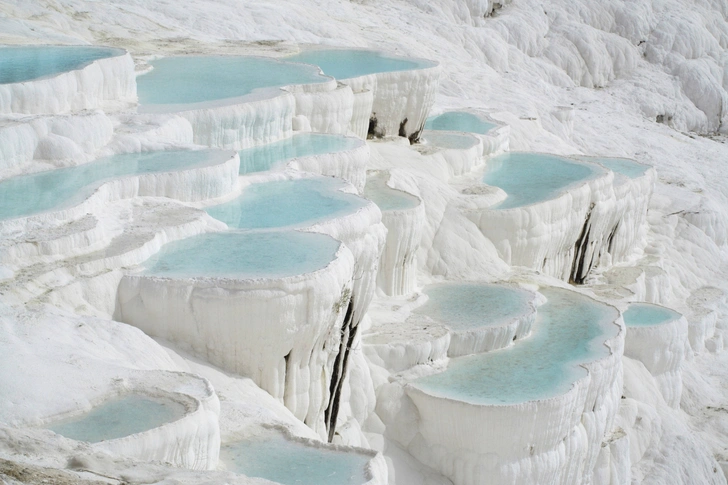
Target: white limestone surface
pixel 283 332
pixel 558 440
pixel 53 140
pixel 350 165
pixel 108 83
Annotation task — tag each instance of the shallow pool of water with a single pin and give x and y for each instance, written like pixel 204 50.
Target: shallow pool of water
pixel 120 417
pixel 287 203
pixel 243 255
pixel 459 121
pixel 471 305
pixel 200 79
pixel 646 315
pixel 349 63
pixel 387 198
pixel 291 463
pixel 529 178
pixel 625 166
pixel 26 63
pixel 26 195
pixel 266 157
pixel 570 329
pixel 458 141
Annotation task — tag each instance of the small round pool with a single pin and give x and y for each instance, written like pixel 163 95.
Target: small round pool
pixel 119 418
pixel 648 315
pixel 350 63
pixel 459 121
pixel 288 462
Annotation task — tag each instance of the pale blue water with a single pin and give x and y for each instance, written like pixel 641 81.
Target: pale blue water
pixel 243 255
pixel 449 140
pixel 197 79
pixel 119 418
pixel 459 121
pixel 646 315
pixel 348 63
pixel 279 460
pixel 626 167
pixel 65 187
pixel 26 63
pixel 528 178
pixel 287 203
pixel 387 198
pixel 266 157
pixel 471 305
pixel 570 330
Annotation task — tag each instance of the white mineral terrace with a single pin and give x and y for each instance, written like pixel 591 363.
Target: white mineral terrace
pixel 287 242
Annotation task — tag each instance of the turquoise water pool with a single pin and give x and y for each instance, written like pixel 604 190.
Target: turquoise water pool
pixel 387 198
pixel 472 305
pixel 459 121
pixel 528 178
pixel 120 417
pixel 266 157
pixel 27 63
pixel 291 463
pixel 243 255
pixel 443 139
pixel 349 63
pixel 625 166
pixel 647 315
pixel 26 195
pixel 570 329
pixel 287 203
pixel 199 79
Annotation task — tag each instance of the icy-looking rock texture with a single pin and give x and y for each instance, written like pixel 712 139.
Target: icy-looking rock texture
pixel 54 140
pixel 59 79
pixel 461 153
pixel 175 422
pixel 560 388
pixel 562 216
pixel 230 101
pixel 268 305
pixel 403 89
pixel 403 215
pixel 494 135
pixel 658 337
pixel 290 461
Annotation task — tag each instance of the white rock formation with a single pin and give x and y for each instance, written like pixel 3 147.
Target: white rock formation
pixel 105 83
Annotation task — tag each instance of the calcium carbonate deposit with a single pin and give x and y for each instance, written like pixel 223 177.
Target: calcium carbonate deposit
pixel 403 242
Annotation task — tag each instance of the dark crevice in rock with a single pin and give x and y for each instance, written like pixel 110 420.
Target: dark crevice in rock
pixel 341 363
pixel 610 239
pixel 402 128
pixel 286 373
pixel 414 137
pixel 578 272
pixel 372 131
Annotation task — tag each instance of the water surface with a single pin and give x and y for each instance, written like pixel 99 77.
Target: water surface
pixel 647 315
pixel 291 463
pixel 287 203
pixel 387 198
pixel 62 188
pixel 349 63
pixel 266 157
pixel 27 63
pixel 120 417
pixel 570 329
pixel 459 121
pixel 243 255
pixel 529 178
